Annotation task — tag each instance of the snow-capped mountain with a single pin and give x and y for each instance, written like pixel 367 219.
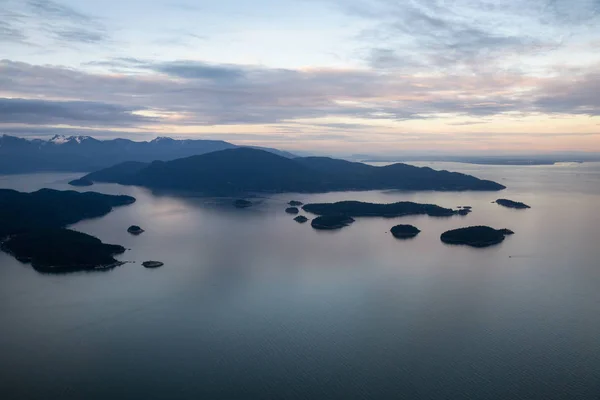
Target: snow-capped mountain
pixel 163 139
pixel 85 153
pixel 62 139
pixel 59 139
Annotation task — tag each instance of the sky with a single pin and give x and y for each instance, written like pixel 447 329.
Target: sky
pixel 336 76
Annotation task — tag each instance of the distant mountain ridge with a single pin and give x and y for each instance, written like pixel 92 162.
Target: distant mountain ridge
pixel 85 153
pixel 244 170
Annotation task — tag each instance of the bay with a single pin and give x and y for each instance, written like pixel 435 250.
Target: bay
pixel 252 305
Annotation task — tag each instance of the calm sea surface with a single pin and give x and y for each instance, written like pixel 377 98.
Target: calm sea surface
pixel 252 305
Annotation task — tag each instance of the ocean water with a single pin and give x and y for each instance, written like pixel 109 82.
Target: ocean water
pixel 252 305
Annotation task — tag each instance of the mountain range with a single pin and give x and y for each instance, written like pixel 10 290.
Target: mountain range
pixel 244 170
pixel 84 153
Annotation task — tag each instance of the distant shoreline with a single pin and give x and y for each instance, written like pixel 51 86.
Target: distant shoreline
pixel 514 163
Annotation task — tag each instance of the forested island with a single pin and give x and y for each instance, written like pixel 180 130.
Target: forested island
pixel 475 236
pixel 152 264
pixel 363 209
pixel 241 203
pixel 135 230
pixel 247 170
pixel 33 229
pixel 331 222
pixel 62 250
pixel 405 231
pixel 81 182
pixel 512 204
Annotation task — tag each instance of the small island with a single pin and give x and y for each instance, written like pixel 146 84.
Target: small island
pixel 331 222
pixel 152 264
pixel 362 209
pixel 292 210
pixel 240 203
pixel 295 203
pixel 135 230
pixel 81 182
pixel 464 211
pixel 301 219
pixel 475 236
pixel 512 204
pixel 62 250
pixel 405 231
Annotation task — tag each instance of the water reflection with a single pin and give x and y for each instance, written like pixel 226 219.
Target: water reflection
pixel 251 304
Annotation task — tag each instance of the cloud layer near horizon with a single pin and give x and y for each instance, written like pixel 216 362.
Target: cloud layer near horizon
pixel 423 73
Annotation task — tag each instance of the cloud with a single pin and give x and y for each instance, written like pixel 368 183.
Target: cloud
pixel 77 113
pixel 577 95
pixel 199 70
pixel 185 69
pixel 447 63
pixel 171 37
pixel 341 126
pixel 79 35
pixel 11 29
pixel 54 10
pixel 193 93
pixel 33 22
pixel 472 34
pixel 468 123
pixel 568 12
pixel 11 33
